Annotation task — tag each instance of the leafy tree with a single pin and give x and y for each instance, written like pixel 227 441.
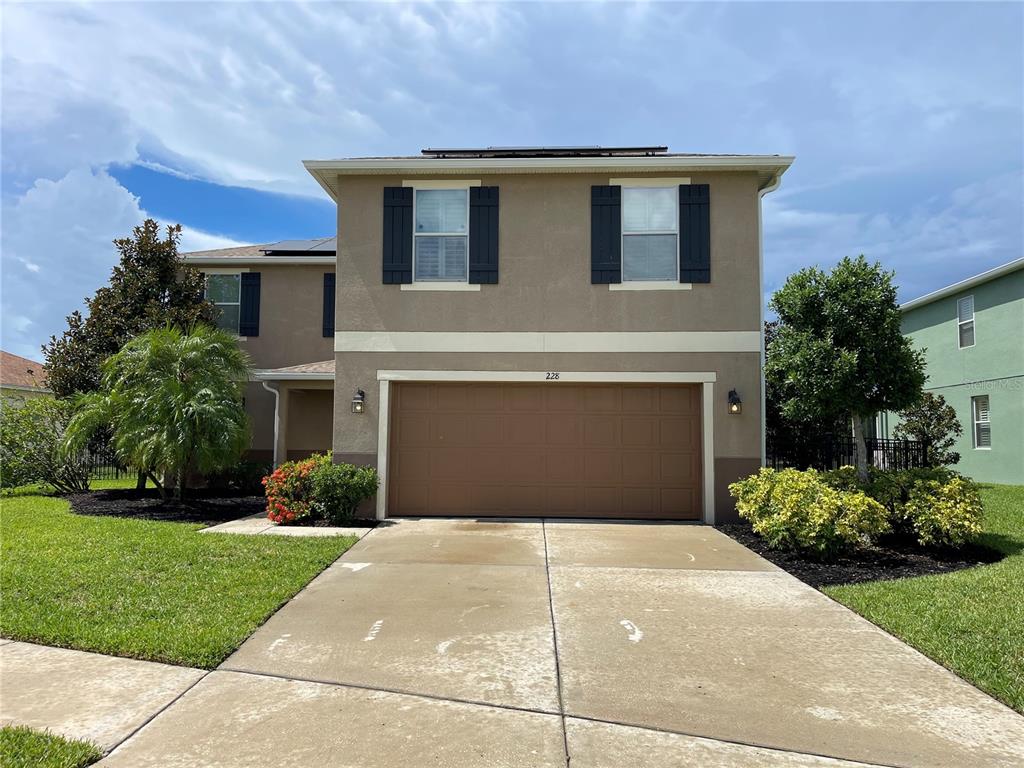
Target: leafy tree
pixel 172 400
pixel 932 421
pixel 149 288
pixel 31 446
pixel 839 351
pixel 790 435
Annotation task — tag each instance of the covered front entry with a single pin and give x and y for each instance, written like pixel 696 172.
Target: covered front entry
pixel 303 409
pixel 558 449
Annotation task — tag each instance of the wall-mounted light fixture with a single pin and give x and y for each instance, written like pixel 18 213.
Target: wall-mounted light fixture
pixel 735 404
pixel 359 401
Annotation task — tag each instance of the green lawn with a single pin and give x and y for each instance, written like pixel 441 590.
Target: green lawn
pixel 22 747
pixel 971 621
pixel 144 589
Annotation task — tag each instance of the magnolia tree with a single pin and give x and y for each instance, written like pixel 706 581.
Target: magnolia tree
pixel 933 422
pixel 839 352
pixel 172 401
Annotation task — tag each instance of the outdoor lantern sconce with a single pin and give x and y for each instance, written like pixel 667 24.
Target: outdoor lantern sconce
pixel 735 404
pixel 359 401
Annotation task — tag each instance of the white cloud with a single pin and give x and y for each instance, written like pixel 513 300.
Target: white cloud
pixel 57 249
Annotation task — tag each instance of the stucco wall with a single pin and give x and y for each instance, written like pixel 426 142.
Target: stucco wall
pixel 544 265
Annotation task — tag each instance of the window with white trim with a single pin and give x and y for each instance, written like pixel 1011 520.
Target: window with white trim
pixel 441 235
pixel 965 321
pixel 224 291
pixel 650 233
pixel 982 424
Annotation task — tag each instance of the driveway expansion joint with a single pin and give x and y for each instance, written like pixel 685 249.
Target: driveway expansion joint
pixel 554 643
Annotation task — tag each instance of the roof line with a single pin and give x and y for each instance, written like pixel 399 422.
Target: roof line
pixel 963 285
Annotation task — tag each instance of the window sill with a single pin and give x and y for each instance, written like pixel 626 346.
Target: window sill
pixel 650 285
pixel 439 286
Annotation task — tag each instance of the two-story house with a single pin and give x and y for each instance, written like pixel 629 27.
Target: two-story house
pixel 564 332
pixel 972 335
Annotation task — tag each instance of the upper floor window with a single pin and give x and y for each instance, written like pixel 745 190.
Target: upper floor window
pixel 965 321
pixel 982 425
pixel 650 233
pixel 441 236
pixel 224 291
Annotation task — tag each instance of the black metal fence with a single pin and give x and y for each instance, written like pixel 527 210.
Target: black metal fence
pixel 832 452
pixel 103 465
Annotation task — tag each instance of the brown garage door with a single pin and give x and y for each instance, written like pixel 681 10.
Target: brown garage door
pixel 558 449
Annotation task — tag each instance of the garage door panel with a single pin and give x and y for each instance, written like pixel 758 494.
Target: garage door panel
pixel 562 398
pixel 414 430
pixel 563 467
pixel 602 399
pixel 602 467
pixel 600 431
pixel 526 429
pixel 561 429
pixel 678 432
pixel 676 468
pixel 558 449
pixel 639 431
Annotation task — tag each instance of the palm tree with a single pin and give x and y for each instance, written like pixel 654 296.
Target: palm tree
pixel 173 402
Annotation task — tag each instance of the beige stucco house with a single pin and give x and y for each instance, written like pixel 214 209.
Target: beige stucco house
pixel 569 332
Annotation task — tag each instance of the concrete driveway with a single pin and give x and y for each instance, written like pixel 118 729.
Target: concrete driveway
pixel 466 643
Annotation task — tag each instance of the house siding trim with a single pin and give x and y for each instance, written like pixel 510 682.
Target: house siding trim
pixel 553 341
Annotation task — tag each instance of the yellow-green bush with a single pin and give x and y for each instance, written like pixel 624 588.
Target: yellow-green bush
pixel 799 510
pixel 944 514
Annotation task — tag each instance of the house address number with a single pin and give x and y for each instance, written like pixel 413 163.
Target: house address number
pixel 552 375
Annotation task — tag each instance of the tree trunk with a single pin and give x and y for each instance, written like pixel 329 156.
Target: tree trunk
pixel 140 481
pixel 860 448
pixel 179 492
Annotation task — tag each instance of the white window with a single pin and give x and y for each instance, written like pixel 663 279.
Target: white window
pixel 650 233
pixel 224 291
pixel 965 321
pixel 441 237
pixel 982 426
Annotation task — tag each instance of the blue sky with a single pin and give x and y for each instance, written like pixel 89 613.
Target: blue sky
pixel 907 120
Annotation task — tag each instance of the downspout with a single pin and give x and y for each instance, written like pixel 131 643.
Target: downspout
pixel 277 414
pixel 760 265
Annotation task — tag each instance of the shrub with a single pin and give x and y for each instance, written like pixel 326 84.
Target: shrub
pixel 317 487
pixel 32 434
pixel 289 491
pixel 944 514
pixel 338 489
pixel 799 510
pixel 245 477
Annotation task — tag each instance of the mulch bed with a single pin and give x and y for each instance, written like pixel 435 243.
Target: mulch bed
pixel 198 506
pixel 884 561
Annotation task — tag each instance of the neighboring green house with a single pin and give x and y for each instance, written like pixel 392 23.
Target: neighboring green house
pixel 973 334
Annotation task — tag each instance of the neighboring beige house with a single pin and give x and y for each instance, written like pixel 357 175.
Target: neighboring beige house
pixel 279 299
pixel 567 332
pixel 21 378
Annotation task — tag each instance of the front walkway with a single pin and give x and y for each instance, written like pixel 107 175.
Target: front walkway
pixel 501 643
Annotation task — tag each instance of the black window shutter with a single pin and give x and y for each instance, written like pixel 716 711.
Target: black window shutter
pixel 606 234
pixel 483 235
pixel 397 235
pixel 328 304
pixel 694 233
pixel 249 312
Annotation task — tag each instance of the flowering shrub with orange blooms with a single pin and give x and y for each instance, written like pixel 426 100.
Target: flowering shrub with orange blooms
pixel 289 490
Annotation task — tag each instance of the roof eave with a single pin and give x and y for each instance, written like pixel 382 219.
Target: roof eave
pixel 244 261
pixel 964 285
pixel 772 166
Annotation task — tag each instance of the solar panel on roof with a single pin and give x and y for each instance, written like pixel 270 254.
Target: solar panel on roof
pixel 577 151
